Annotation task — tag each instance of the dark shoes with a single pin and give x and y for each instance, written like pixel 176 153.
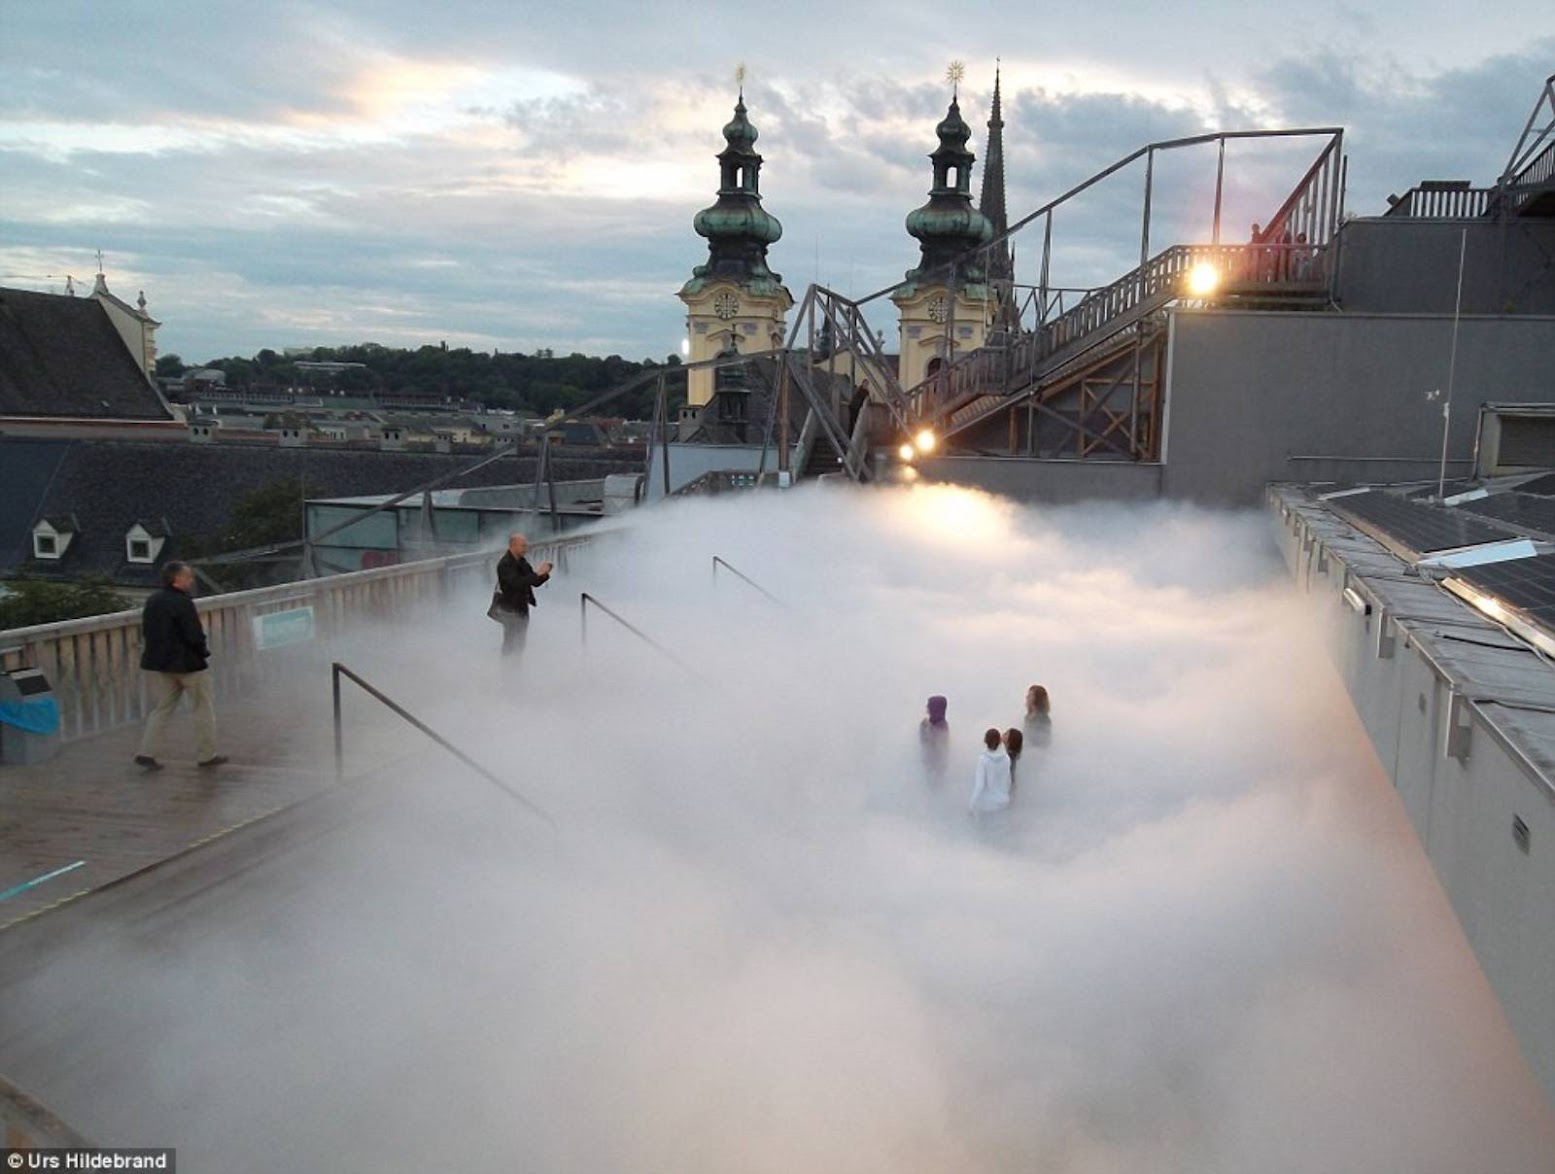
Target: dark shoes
pixel 149 764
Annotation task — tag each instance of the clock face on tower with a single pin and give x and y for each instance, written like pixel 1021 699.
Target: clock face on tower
pixel 726 305
pixel 939 309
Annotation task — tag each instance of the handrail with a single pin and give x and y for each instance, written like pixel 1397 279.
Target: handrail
pixel 1133 157
pixel 1106 312
pixel 92 662
pixel 584 599
pixel 23 1122
pixel 338 670
pixel 727 565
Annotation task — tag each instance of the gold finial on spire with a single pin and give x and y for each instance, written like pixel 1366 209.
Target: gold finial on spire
pixel 953 75
pixel 739 77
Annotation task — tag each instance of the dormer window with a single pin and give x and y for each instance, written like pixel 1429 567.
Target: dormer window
pixel 144 542
pixel 51 538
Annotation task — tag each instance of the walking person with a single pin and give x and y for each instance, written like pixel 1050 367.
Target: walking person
pixel 1038 721
pixel 516 583
pixel 174 657
pixel 991 781
pixel 934 741
pixel 1014 740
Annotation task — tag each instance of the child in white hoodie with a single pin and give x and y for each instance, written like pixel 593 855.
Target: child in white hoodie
pixel 991 783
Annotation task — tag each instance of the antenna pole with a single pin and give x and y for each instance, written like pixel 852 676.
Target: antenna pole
pixel 1452 366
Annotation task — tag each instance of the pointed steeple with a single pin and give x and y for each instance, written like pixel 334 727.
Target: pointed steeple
pixel 992 204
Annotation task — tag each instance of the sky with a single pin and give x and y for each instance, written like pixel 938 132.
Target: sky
pixel 519 177
pixel 755 937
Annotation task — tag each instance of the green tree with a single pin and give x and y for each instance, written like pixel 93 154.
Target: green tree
pixel 269 515
pixel 26 601
pixel 170 366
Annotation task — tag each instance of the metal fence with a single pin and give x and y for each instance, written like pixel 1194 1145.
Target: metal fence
pixel 93 664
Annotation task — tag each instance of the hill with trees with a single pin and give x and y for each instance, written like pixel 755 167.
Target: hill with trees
pixel 541 382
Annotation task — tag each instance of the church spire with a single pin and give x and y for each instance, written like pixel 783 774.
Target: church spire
pixel 1001 263
pixel 992 203
pixel 948 227
pixel 735 304
pixel 737 228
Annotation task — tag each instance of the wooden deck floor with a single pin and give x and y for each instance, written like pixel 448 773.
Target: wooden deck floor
pixel 92 817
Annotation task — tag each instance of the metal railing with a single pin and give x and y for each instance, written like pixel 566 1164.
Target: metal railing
pixel 93 664
pixel 1439 202
pixel 25 1124
pixel 584 599
pixel 338 670
pixel 739 574
pixel 1106 313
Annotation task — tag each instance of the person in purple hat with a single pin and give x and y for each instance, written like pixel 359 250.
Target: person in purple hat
pixel 934 741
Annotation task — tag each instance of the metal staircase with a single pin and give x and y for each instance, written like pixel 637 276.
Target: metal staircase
pixel 1092 367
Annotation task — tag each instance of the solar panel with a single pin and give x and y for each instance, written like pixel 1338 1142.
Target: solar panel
pixel 1527 584
pixel 1516 509
pixel 1420 529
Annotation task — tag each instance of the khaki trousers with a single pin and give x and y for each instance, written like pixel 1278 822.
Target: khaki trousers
pixel 166 689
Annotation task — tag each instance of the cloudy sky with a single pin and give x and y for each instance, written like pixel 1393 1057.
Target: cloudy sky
pixel 516 176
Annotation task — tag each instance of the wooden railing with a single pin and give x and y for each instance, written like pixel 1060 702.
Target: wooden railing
pixel 93 664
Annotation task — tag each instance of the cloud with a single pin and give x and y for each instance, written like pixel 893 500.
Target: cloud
pixel 573 143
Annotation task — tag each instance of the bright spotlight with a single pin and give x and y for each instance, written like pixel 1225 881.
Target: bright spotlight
pixel 925 440
pixel 685 347
pixel 1203 280
pixel 905 452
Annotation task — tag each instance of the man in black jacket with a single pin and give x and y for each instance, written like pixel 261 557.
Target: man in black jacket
pixel 516 583
pixel 174 658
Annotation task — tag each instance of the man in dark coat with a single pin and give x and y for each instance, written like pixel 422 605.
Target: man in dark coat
pixel 174 658
pixel 516 583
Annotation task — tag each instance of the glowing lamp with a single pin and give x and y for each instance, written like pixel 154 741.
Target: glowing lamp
pixel 1203 280
pixel 905 452
pixel 925 441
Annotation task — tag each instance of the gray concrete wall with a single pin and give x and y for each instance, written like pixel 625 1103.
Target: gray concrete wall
pixel 1411 266
pixel 1058 482
pixel 1260 397
pixel 1462 810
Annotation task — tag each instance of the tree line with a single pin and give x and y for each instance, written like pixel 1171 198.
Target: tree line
pixel 540 383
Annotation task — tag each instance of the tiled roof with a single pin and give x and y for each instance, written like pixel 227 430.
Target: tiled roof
pixel 61 356
pixel 111 485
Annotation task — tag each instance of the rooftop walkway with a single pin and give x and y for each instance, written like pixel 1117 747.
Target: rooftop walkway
pixel 91 818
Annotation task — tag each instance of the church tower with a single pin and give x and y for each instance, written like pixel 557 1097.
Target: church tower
pixel 734 301
pixel 945 304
